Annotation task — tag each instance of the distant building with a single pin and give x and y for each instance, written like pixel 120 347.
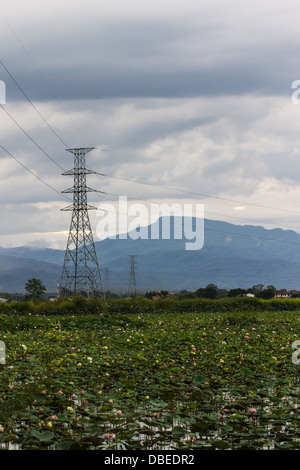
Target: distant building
pixel 286 293
pixel 161 293
pixel 293 293
pixel 281 293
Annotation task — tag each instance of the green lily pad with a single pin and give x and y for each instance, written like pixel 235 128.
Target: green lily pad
pixel 45 436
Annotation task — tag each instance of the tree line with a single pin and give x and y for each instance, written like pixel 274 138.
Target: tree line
pixel 35 289
pixel 211 291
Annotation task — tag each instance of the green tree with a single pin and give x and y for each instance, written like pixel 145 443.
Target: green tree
pixel 267 293
pixel 238 292
pixel 34 288
pixel 257 289
pixel 209 292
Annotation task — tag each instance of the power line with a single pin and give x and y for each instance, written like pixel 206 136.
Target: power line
pixel 213 213
pixel 114 194
pixel 32 173
pixel 254 237
pixel 145 183
pixel 34 65
pixel 195 193
pixel 111 176
pixel 26 133
pixel 32 140
pixel 214 230
pixel 34 107
pixel 200 194
pixel 210 229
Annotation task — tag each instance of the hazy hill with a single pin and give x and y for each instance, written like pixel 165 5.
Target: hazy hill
pixel 232 256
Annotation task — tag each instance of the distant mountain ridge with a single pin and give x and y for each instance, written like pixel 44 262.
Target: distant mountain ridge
pixel 232 256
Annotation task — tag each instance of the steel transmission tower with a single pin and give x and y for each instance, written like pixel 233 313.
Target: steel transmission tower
pixel 132 282
pixel 81 272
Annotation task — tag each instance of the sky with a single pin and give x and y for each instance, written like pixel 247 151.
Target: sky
pixel 184 102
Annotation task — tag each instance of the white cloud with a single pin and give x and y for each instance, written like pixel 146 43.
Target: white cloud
pixel 193 95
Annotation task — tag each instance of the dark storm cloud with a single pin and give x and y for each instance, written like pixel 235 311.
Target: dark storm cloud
pixel 120 81
pixel 192 95
pixel 154 58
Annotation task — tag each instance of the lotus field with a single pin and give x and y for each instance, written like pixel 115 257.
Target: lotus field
pixel 151 381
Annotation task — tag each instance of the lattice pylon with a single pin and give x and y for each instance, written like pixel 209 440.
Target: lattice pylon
pixel 80 272
pixel 132 281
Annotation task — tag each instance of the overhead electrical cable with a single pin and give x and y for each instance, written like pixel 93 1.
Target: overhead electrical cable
pixel 35 66
pixel 227 232
pixel 292 227
pixel 110 176
pixel 184 191
pixel 32 140
pixel 31 103
pixel 139 182
pixel 33 174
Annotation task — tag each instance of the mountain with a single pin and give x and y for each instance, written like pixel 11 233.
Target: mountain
pixel 16 271
pixel 232 256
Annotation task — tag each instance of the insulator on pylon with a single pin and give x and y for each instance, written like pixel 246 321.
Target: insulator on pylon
pixel 81 273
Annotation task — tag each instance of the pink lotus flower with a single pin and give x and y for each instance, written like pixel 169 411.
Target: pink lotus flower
pixel 109 436
pixel 252 410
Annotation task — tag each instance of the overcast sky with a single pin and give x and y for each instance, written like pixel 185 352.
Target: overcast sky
pixel 193 95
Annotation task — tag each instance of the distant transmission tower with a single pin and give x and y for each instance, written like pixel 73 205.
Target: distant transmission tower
pixel 132 282
pixel 81 272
